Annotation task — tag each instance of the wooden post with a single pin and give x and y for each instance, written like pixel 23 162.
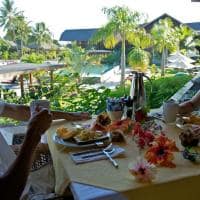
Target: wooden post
pixel 51 79
pixel 21 79
pixel 30 79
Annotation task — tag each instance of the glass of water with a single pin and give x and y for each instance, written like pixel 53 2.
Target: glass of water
pixel 34 107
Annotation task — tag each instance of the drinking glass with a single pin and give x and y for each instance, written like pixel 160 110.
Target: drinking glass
pixel 170 110
pixel 33 108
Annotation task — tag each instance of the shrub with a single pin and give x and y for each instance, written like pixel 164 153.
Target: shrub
pixel 163 89
pixel 160 90
pixel 33 58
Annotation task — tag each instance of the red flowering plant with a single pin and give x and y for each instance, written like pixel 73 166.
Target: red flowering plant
pixel 161 151
pixel 142 137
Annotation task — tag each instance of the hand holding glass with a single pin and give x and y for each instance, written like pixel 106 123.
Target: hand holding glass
pixel 36 106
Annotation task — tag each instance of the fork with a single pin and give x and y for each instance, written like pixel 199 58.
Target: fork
pixel 107 152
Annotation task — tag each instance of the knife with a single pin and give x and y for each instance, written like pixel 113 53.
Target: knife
pixel 86 152
pixel 93 155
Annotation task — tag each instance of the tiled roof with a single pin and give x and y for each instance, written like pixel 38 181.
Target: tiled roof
pixel 77 34
pixel 194 25
pixel 149 25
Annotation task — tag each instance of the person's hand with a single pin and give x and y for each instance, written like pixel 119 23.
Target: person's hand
pixel 185 107
pixel 78 116
pixel 39 122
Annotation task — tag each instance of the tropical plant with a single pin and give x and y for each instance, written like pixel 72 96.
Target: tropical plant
pixel 121 25
pixel 140 38
pixel 40 35
pixel 75 58
pixel 185 35
pixel 33 58
pixel 21 30
pixel 4 48
pixel 165 38
pixel 8 15
pixel 138 59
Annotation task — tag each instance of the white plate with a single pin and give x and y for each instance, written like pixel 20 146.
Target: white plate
pixel 67 143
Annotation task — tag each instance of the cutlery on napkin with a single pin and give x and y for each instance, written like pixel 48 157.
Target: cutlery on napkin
pixel 94 155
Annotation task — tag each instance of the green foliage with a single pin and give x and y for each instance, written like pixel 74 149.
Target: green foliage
pixel 138 59
pixel 40 35
pixel 140 38
pixel 51 55
pixel 121 25
pixel 66 95
pixel 112 58
pixel 5 55
pixel 163 89
pixel 120 91
pixel 165 38
pixel 165 35
pixel 153 69
pixel 13 55
pixel 4 46
pixel 75 58
pixel 33 58
pixel 160 90
pixel 7 121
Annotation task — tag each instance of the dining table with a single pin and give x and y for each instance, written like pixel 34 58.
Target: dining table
pixel 100 180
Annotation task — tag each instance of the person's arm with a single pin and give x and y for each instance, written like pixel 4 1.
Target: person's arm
pixel 14 180
pixel 22 113
pixel 191 105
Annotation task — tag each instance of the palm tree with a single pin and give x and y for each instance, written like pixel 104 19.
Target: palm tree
pixel 165 38
pixel 21 31
pixel 120 26
pixel 41 35
pixel 8 15
pixel 138 58
pixel 188 38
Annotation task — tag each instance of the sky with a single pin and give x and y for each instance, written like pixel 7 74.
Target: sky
pixel 74 14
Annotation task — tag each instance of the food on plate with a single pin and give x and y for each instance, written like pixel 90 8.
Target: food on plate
pixel 98 127
pixel 117 136
pixel 190 136
pixel 86 134
pixel 101 122
pixel 125 125
pixel 193 119
pixel 65 133
pixel 103 119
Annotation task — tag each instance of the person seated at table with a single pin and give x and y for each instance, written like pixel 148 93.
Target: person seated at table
pixel 42 164
pixel 13 181
pixel 22 113
pixel 191 105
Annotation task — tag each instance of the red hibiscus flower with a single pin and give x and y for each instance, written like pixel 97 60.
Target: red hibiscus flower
pixel 142 137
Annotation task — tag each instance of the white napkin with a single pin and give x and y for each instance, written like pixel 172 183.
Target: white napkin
pixel 94 155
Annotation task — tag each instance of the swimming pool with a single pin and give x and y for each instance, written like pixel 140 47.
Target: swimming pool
pixel 95 70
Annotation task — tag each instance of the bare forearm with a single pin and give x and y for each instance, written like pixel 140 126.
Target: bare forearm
pixel 70 116
pixel 13 182
pixel 22 113
pixel 17 112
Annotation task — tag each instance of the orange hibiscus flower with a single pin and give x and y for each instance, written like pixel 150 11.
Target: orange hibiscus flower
pixel 161 151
